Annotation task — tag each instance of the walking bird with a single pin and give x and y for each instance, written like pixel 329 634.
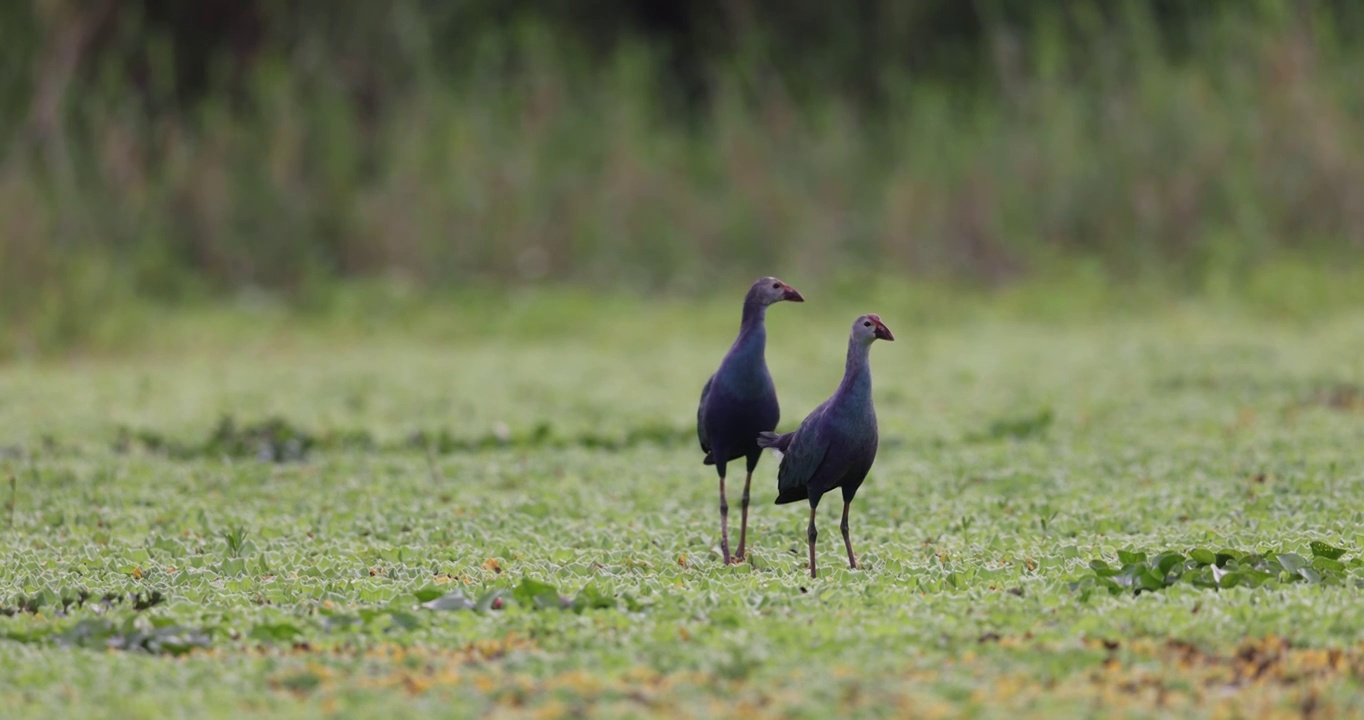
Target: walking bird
pixel 739 401
pixel 835 445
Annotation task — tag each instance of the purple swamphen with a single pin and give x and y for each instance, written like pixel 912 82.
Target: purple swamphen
pixel 739 400
pixel 835 444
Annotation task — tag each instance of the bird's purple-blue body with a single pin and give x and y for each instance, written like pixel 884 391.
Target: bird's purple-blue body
pixel 740 401
pixel 835 445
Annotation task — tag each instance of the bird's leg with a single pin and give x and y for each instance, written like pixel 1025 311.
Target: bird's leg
pixel 724 522
pixel 847 541
pixel 743 522
pixel 812 533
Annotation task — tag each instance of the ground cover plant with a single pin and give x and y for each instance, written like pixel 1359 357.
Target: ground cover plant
pixel 515 523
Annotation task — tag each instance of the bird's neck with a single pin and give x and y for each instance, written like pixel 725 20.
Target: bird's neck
pixel 746 355
pixel 753 329
pixel 856 383
pixel 754 315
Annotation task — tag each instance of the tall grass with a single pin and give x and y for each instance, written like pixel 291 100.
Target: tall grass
pixel 1104 150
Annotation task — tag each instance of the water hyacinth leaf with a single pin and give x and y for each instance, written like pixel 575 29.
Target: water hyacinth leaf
pixel 491 600
pixel 428 593
pixel 1310 575
pixel 1165 562
pixel 1128 557
pixel 1103 569
pixel 1225 557
pixel 537 594
pixel 1203 556
pixel 1322 550
pixel 1328 566
pixel 453 601
pixel 404 620
pixel 1149 580
pixel 592 598
pixel 276 632
pixel 1292 562
pixel 1128 576
pixel 1203 577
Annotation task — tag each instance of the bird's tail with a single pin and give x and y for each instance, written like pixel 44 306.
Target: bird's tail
pixel 777 443
pixel 790 495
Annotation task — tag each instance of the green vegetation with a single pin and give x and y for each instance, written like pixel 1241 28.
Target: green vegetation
pixel 349 355
pixel 1195 151
pixel 508 518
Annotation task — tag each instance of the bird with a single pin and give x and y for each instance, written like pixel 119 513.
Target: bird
pixel 835 445
pixel 739 401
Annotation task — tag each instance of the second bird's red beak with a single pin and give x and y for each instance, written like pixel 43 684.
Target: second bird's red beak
pixel 792 294
pixel 883 332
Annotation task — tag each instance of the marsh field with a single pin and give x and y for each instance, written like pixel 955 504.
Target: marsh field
pixel 350 355
pixel 505 515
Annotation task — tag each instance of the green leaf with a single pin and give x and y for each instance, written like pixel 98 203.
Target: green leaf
pixel 1148 580
pixel 1165 562
pixel 277 632
pixel 491 600
pixel 1310 575
pixel 1103 569
pixel 537 594
pixel 428 593
pixel 1203 556
pixel 1322 550
pixel 592 598
pixel 1328 566
pixel 404 620
pixel 454 601
pixel 1292 562
pixel 1202 577
pixel 1128 557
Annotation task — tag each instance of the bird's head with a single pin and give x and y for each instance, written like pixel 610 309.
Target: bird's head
pixel 869 328
pixel 769 290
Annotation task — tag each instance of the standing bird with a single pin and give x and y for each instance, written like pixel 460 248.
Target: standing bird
pixel 836 443
pixel 739 400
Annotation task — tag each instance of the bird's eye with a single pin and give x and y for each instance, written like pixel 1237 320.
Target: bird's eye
pixel 866 324
pixel 776 286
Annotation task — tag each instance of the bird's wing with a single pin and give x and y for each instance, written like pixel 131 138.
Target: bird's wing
pixel 700 411
pixel 804 454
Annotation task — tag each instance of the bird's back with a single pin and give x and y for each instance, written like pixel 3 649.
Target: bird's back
pixel 731 416
pixel 835 445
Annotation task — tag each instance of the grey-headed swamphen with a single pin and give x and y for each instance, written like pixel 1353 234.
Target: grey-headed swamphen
pixel 835 445
pixel 739 400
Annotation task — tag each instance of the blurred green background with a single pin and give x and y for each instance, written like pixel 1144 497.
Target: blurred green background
pixel 159 156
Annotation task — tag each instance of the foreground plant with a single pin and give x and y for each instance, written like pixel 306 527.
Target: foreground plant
pixel 1217 570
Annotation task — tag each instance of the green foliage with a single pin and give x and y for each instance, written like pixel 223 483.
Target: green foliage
pixel 1226 569
pixel 395 577
pixel 278 440
pixel 1016 428
pixel 1211 150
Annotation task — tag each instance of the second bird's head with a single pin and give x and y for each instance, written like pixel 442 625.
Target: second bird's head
pixel 869 328
pixel 769 290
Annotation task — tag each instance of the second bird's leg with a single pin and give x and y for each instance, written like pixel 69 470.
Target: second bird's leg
pixel 743 520
pixel 847 541
pixel 812 533
pixel 724 522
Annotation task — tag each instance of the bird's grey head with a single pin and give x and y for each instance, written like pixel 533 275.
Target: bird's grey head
pixel 769 290
pixel 869 328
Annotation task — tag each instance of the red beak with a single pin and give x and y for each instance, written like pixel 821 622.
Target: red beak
pixel 792 294
pixel 883 332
